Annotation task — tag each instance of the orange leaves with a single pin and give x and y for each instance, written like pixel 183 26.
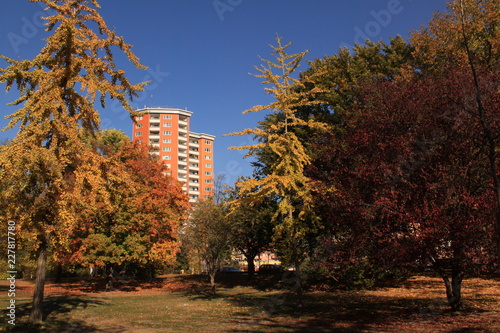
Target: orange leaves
pixel 145 207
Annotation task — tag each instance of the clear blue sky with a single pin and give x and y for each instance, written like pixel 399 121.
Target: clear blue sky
pixel 200 52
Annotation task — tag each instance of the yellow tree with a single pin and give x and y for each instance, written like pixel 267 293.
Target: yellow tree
pixel 285 178
pixel 47 163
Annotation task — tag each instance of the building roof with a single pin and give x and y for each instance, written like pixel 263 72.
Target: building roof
pixel 166 110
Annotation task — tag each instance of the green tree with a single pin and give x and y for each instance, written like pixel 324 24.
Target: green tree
pixel 47 163
pixel 339 79
pixel 251 228
pixel 285 178
pixel 138 231
pixel 207 236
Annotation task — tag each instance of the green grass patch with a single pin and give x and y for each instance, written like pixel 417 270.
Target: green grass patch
pixel 417 305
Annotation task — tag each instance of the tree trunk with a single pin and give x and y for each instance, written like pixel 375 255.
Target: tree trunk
pixel 36 315
pixel 453 287
pixel 212 282
pixel 250 265
pixel 298 285
pixel 59 273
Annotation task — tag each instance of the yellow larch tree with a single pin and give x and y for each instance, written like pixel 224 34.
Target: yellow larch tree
pixel 47 163
pixel 285 178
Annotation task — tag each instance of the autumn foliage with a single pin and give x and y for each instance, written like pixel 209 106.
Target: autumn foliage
pixel 136 230
pixel 408 176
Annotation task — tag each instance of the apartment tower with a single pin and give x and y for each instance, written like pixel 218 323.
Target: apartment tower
pixel 188 155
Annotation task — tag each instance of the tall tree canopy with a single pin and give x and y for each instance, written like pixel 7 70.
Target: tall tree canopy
pixel 138 231
pixel 467 37
pixel 285 178
pixel 207 236
pixel 47 163
pixel 413 156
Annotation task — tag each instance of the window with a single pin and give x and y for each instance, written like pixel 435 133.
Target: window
pixel 208 173
pixel 167 132
pixel 208 181
pixel 208 189
pixel 138 125
pixel 167 124
pixel 208 165
pixel 167 116
pixel 208 150
pixel 208 142
pixel 208 157
pixel 167 149
pixel 138 133
pixel 167 140
pixel 167 157
pixel 138 118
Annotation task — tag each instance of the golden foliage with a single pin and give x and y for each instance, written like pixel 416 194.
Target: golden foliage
pixel 285 179
pixel 47 168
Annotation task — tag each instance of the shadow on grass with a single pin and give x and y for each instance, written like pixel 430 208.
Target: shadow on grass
pixel 56 316
pixel 339 312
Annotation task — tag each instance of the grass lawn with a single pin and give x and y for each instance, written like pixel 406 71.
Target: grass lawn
pixel 182 304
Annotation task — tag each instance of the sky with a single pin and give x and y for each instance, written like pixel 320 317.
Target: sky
pixel 200 54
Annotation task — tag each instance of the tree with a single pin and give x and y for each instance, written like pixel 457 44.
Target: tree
pixel 467 36
pixel 207 236
pixel 410 186
pixel 47 162
pixel 251 228
pixel 285 179
pixel 138 232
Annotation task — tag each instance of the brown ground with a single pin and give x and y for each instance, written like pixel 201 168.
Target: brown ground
pixel 416 305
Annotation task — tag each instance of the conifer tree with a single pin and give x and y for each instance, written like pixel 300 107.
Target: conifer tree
pixel 285 179
pixel 47 164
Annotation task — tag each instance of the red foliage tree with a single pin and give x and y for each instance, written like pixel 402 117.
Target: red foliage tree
pixel 412 177
pixel 139 233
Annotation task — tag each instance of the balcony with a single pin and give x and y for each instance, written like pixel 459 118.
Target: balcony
pixel 194 190
pixel 182 153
